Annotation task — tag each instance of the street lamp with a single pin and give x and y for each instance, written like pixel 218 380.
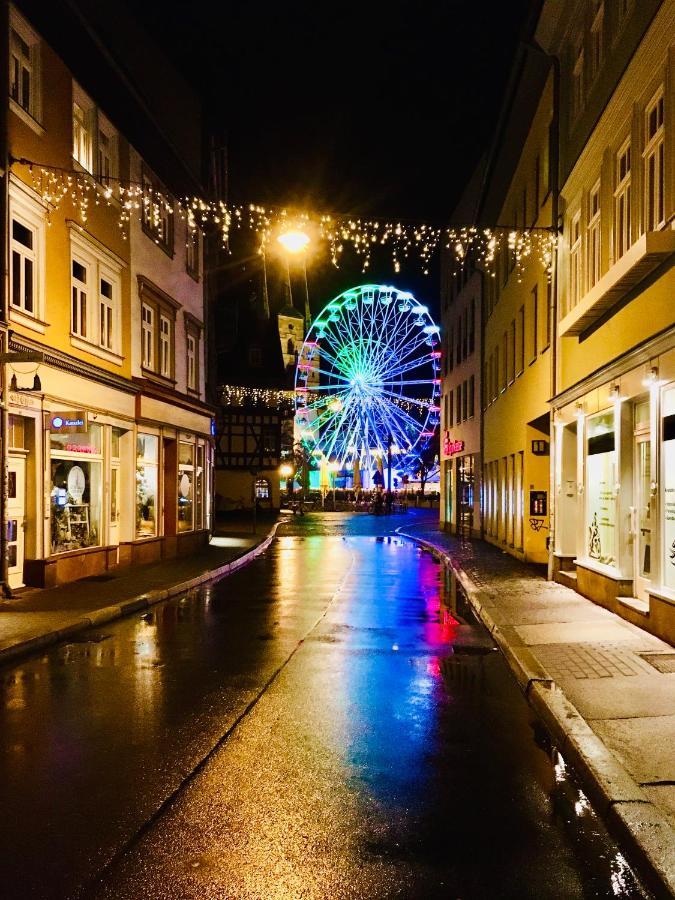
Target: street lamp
pixel 333 468
pixel 294 240
pixel 286 471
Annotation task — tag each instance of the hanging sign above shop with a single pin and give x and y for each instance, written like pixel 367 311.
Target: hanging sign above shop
pixel 451 447
pixel 72 421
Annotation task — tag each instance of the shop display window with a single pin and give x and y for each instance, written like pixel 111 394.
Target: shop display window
pixel 186 485
pixel 147 459
pixel 76 483
pixel 199 489
pixel 601 479
pixel 669 487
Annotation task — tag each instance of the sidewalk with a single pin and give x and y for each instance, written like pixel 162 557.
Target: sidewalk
pixel 604 688
pixel 39 618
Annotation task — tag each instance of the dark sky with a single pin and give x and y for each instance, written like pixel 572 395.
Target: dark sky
pixel 372 108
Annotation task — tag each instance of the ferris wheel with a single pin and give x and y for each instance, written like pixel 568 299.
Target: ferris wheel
pixel 368 379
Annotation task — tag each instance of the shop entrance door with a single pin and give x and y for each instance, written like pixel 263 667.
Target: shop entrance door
pixel 16 511
pixel 641 515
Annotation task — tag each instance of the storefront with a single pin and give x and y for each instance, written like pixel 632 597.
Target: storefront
pixel 460 488
pixel 92 487
pixel 615 489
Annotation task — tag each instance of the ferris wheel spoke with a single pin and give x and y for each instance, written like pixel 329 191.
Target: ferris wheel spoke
pixel 404 415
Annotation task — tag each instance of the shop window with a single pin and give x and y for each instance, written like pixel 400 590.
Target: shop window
pixel 669 488
pixel 76 463
pixel 147 458
pixel 186 486
pixel 200 474
pixel 601 479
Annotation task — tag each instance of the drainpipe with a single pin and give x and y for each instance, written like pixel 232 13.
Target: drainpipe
pixel 552 312
pixel 4 302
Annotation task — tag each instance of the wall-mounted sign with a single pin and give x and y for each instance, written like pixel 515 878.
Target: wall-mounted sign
pixel 69 422
pixel 451 447
pixel 537 503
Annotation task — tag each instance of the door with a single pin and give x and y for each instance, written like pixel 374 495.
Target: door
pixel 641 515
pixel 16 511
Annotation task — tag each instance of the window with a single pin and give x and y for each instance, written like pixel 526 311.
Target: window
pixel 78 324
pixel 157 212
pixel 148 336
pixel 24 68
pixel 458 404
pixel 465 401
pixel 505 361
pixel 593 236
pixel 147 457
pixel 451 411
pixel 537 178
pixel 520 355
pixel 164 346
pixel 158 330
pixel 654 164
pixel 472 388
pixel 535 322
pixel 472 326
pixel 106 314
pixel 107 154
pixel 578 82
pixel 186 475
pixel 596 39
pixel 512 352
pixel 191 363
pixel 23 273
pixel 76 489
pixel 622 201
pixel 575 263
pixel 192 253
pixel 95 315
pixel 547 312
pixel 81 136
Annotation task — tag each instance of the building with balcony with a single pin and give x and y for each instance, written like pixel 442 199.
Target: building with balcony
pixel 109 446
pixel 614 389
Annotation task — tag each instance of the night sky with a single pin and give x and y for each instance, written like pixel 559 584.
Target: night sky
pixel 377 109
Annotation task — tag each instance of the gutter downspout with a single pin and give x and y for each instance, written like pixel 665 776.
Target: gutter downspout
pixel 4 301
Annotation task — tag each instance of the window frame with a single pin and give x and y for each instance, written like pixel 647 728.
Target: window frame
pixel 594 237
pixel 157 219
pixel 655 149
pixel 30 113
pixel 101 264
pixel 623 201
pixel 162 306
pixel 29 211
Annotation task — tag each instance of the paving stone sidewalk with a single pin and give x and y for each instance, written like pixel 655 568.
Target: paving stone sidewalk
pixel 604 688
pixel 39 618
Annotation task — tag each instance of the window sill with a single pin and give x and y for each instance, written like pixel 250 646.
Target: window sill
pixel 95 350
pixel 157 378
pixel 593 565
pixel 26 117
pixel 23 318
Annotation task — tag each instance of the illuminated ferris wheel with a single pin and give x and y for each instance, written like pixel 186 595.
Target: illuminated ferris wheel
pixel 368 379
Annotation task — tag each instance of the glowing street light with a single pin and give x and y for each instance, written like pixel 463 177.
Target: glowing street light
pixel 294 240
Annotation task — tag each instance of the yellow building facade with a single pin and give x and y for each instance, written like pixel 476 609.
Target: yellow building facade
pixel 109 447
pixel 614 397
pixel 516 374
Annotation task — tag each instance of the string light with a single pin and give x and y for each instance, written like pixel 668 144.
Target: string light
pixel 403 241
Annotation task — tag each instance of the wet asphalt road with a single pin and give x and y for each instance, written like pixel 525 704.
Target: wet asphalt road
pixel 328 723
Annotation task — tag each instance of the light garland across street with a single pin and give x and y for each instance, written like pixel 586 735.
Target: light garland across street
pixel 404 241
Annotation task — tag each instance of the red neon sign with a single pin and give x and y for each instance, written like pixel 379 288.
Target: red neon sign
pixel 451 447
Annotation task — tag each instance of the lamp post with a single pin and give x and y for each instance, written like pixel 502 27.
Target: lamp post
pixel 286 471
pixel 333 468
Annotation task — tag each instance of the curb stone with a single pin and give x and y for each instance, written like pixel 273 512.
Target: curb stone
pixel 119 610
pixel 630 814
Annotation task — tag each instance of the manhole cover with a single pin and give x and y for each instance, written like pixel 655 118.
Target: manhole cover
pixel 662 662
